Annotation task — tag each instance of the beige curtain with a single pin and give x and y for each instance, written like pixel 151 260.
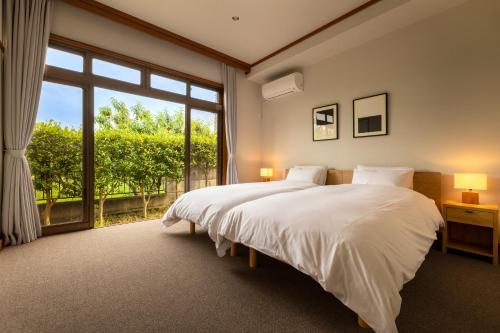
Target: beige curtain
pixel 229 81
pixel 27 28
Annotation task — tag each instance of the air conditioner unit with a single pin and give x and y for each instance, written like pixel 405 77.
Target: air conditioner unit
pixel 284 86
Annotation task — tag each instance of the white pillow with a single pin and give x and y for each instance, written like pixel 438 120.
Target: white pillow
pixel 322 172
pixel 402 178
pixel 409 180
pixel 306 174
pixel 380 168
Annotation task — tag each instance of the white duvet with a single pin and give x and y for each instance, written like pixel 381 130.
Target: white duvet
pixel 207 206
pixel 360 242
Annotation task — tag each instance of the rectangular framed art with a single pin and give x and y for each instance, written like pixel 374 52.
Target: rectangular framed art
pixel 325 122
pixel 370 116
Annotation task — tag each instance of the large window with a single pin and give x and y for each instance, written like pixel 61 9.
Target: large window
pixel 203 149
pixel 139 155
pixel 117 140
pixel 55 154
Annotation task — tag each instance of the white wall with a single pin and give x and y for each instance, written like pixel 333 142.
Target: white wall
pixel 249 129
pixel 82 26
pixel 443 77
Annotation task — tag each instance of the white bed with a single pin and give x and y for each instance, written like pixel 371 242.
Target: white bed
pixel 206 206
pixel 359 242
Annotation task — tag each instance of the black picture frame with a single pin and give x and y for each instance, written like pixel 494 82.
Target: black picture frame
pixel 335 115
pixel 377 122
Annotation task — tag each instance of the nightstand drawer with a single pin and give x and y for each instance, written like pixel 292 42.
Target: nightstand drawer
pixel 470 216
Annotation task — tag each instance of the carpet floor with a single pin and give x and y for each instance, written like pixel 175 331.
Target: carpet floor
pixel 141 278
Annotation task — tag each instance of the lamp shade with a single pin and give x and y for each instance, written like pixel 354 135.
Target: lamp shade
pixel 266 172
pixel 471 181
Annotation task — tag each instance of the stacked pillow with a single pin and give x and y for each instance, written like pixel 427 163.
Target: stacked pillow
pixel 395 176
pixel 308 173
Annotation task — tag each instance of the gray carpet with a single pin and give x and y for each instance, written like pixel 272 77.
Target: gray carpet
pixel 140 278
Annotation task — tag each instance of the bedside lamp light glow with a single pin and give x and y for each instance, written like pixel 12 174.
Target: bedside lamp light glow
pixel 266 174
pixel 470 181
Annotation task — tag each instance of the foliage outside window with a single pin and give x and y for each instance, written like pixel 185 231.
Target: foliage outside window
pixel 131 153
pixel 131 145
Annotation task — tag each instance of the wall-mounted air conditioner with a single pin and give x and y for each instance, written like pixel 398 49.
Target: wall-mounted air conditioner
pixel 284 86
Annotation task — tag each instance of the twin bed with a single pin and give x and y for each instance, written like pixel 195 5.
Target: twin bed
pixel 361 242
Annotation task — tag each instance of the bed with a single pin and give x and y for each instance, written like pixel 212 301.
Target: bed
pixel 205 207
pixel 359 242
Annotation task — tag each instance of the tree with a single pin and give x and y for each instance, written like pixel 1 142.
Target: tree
pixel 108 165
pixel 152 149
pixel 204 154
pixel 55 156
pixel 172 123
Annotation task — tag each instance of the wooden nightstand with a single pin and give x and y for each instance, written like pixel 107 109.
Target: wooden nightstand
pixel 471 228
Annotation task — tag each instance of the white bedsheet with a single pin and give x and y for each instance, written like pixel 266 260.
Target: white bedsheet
pixel 360 242
pixel 206 206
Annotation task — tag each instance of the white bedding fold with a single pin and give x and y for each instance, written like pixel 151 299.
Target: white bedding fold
pixel 207 206
pixel 360 242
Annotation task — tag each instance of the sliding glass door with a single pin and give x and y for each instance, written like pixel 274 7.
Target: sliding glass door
pixel 56 155
pixel 204 149
pixel 138 156
pixel 117 140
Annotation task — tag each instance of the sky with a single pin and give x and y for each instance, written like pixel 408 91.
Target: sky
pixel 63 103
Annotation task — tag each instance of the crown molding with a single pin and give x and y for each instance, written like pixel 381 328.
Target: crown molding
pixel 154 30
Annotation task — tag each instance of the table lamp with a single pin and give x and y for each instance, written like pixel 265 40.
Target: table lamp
pixel 266 174
pixel 470 181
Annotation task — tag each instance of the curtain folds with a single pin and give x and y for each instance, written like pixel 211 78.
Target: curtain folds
pixel 27 35
pixel 229 81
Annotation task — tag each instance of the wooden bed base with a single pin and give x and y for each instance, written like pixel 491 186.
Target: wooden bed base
pixel 192 228
pixel 234 250
pixel 252 258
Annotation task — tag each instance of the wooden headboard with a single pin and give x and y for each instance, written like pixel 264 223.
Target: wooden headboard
pixel 426 182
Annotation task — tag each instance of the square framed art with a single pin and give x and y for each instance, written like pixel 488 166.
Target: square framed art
pixel 325 122
pixel 370 116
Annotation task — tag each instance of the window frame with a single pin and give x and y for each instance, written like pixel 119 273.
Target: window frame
pixel 88 81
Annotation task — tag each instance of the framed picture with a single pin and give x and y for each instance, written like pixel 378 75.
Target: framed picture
pixel 325 123
pixel 370 116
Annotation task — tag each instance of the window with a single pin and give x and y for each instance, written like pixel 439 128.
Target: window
pixel 203 149
pixel 55 154
pixel 138 156
pixel 150 140
pixel 114 71
pixel 62 59
pixel 204 94
pixel 166 84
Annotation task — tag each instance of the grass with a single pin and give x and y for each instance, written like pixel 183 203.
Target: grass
pixel 124 218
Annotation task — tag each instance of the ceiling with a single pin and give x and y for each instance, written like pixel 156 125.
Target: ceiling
pixel 370 24
pixel 264 25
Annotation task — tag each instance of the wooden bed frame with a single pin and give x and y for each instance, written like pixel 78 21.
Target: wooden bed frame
pixel 426 182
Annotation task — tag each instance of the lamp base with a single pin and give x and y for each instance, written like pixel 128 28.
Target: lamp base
pixel 470 198
pixel 266 179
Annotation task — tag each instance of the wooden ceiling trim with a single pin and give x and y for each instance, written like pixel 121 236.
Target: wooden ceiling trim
pixel 318 30
pixel 151 29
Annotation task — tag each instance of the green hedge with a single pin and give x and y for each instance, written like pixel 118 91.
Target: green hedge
pixel 142 158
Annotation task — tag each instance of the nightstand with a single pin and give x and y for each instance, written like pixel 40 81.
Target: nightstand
pixel 471 228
